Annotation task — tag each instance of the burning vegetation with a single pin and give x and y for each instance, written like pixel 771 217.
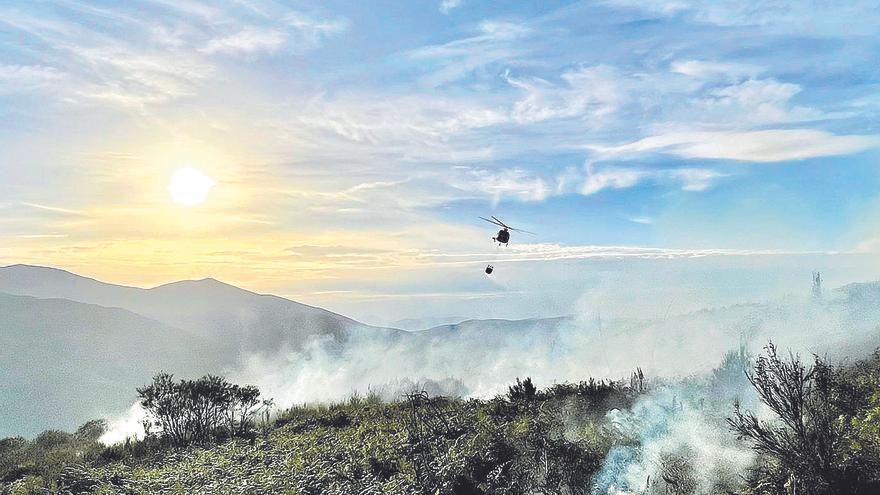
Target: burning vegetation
pixel 770 425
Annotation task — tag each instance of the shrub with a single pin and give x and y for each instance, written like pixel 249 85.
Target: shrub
pixel 806 448
pixel 194 411
pixel 522 390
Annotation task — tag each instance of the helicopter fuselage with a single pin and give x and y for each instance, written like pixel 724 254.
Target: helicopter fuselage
pixel 502 237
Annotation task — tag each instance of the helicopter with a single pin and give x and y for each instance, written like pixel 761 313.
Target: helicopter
pixel 503 235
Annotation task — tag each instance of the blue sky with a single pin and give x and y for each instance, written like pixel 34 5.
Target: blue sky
pixel 353 144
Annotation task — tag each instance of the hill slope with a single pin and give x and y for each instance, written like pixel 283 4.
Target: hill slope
pixel 65 362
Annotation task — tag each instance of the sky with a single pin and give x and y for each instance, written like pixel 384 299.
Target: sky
pixel 667 153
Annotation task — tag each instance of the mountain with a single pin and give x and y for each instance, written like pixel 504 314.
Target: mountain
pixel 234 320
pixel 496 333
pixel 414 324
pixel 63 362
pixel 74 348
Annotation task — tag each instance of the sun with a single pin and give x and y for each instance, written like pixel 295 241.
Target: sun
pixel 189 186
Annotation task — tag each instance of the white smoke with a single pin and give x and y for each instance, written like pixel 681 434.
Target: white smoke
pixel 128 425
pixel 678 432
pixel 676 441
pixel 487 356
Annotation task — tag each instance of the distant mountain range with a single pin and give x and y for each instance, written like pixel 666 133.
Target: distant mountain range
pixel 236 319
pixel 73 348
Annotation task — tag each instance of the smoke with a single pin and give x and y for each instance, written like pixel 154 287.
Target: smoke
pixel 675 444
pixel 128 425
pixel 481 358
pixel 676 436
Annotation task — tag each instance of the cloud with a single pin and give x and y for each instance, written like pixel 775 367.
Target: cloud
pixel 587 91
pixel 406 121
pixel 248 41
pixel 514 183
pixel 97 66
pixel 702 69
pixel 446 6
pixel 694 179
pixel 494 42
pixel 24 78
pixel 520 184
pixel 773 145
pixel 549 251
pixel 615 177
pixel 55 209
pixel 161 60
pixel 778 16
pixel 612 178
pixel 295 30
pixel 530 252
pixel 314 31
pixel 870 245
pixel 754 101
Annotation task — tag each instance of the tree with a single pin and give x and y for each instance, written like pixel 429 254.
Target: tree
pixel 200 410
pixel 806 442
pixel 522 390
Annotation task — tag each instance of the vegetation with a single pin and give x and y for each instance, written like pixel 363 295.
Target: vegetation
pixel 551 440
pixel 197 411
pixel 825 432
pixel 821 436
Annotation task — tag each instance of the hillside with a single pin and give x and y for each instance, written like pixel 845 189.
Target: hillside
pixel 509 444
pixel 640 436
pixel 74 348
pixel 65 362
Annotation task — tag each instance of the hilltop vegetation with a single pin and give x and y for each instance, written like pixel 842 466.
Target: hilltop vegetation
pixel 823 438
pixel 552 439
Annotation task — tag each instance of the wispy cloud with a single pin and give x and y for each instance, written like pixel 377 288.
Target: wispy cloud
pixel 165 58
pixel 586 92
pixel 825 18
pixel 54 209
pixel 25 78
pixel 616 177
pixel 311 31
pixel 248 41
pixel 512 183
pixel 703 69
pixel 772 145
pixel 752 102
pixel 446 6
pixel 41 236
pixel 494 42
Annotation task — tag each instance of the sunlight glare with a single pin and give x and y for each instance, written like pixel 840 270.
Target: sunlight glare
pixel 189 186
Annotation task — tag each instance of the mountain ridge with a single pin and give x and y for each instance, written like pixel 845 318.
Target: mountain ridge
pixel 207 306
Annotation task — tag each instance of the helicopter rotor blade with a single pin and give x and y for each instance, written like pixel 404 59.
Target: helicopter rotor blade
pixel 501 223
pixel 496 221
pixel 493 222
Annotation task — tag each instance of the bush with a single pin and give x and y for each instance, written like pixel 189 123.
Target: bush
pixel 522 390
pixel 196 411
pixel 809 448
